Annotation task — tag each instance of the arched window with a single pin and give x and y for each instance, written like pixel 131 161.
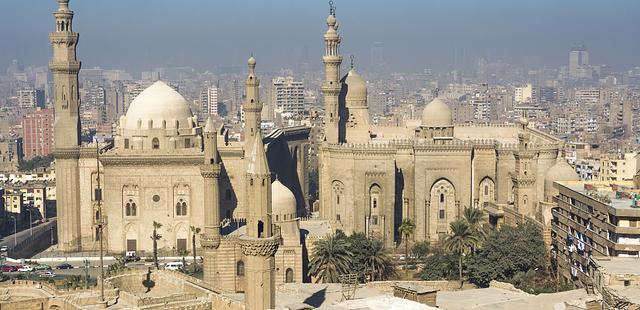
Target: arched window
pixel 375 203
pixel 338 199
pixel 130 208
pixel 441 198
pixel 486 189
pixel 288 276
pixel 240 268
pixel 155 143
pixel 181 208
pixel 260 229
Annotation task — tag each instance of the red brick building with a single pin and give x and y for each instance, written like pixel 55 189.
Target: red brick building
pixel 37 133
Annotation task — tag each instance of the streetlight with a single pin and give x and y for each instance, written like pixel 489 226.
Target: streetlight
pixel 15 229
pixel 30 223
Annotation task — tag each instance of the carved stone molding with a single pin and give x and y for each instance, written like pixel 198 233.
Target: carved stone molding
pixel 210 172
pixel 264 247
pixel 210 242
pixel 66 153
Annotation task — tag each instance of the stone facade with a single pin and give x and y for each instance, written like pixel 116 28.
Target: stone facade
pixel 373 177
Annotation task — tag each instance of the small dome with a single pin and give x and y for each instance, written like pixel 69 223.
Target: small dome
pixel 437 114
pixel 158 103
pixel 356 89
pixel 283 202
pixel 251 61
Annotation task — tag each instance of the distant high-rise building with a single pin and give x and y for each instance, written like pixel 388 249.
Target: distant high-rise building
pixel 287 95
pixel 209 100
pixel 377 54
pixel 525 94
pixel 31 98
pixel 37 133
pixel 578 61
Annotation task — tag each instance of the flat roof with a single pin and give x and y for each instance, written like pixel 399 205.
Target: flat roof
pixel 618 265
pixel 602 189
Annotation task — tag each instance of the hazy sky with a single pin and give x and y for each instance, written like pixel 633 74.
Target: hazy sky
pixel 141 34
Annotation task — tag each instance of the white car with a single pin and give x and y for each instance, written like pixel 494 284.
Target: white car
pixel 47 274
pixel 175 266
pixel 25 268
pixel 4 248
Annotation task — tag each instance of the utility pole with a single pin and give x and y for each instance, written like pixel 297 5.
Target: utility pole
pixel 86 273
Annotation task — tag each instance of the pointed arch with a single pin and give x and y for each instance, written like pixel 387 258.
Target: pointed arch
pixel 442 207
pixel 487 191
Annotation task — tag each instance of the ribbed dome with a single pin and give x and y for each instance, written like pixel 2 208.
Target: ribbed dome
pixel 437 114
pixel 356 89
pixel 158 103
pixel 283 202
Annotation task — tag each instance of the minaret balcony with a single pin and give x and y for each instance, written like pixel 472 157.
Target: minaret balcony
pixel 264 247
pixel 209 242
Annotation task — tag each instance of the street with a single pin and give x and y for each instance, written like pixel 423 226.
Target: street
pixel 11 240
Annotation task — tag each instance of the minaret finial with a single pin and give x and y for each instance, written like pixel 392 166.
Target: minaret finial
pixel 352 59
pixel 252 64
pixel 436 92
pixel 332 8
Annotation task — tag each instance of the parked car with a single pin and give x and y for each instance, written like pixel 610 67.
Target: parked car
pixel 25 268
pixel 8 268
pixel 131 256
pixel 64 266
pixel 175 266
pixel 47 274
pixel 4 248
pixel 43 267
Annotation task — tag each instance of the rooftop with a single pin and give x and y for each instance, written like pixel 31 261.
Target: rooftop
pixel 618 194
pixel 619 265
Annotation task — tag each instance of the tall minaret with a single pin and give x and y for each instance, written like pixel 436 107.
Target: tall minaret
pixel 252 106
pixel 210 171
pixel 260 244
pixel 64 68
pixel 331 84
pixel 524 177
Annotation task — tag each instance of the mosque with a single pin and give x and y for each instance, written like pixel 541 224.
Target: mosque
pixel 165 166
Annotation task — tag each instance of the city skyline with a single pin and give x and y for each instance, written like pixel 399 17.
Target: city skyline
pixel 139 36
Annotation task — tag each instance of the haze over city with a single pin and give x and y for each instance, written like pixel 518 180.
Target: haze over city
pixel 139 35
pixel 336 155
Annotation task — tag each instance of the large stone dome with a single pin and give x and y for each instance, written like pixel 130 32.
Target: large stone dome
pixel 356 89
pixel 283 202
pixel 561 171
pixel 437 114
pixel 158 103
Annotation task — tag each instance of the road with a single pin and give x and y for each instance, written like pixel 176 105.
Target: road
pixel 10 240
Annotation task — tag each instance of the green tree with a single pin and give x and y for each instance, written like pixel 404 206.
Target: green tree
pixel 461 240
pixel 194 232
pixel 155 237
pixel 358 246
pixel 406 229
pixel 331 258
pixel 439 266
pixel 475 218
pixel 379 260
pixel 420 250
pixel 35 162
pixel 509 255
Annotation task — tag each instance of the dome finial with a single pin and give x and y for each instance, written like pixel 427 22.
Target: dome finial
pixel 332 8
pixel 252 64
pixel 352 59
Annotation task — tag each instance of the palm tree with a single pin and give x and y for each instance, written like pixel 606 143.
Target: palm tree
pixel 194 231
pixel 460 241
pixel 475 218
pixel 155 237
pixel 331 258
pixel 379 260
pixel 407 228
pixel 183 253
